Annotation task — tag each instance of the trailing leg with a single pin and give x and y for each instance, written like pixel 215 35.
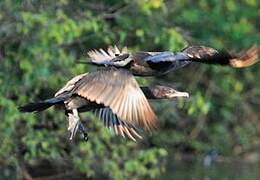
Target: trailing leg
pixel 75 125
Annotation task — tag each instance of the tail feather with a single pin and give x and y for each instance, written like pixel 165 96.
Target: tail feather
pixel 40 106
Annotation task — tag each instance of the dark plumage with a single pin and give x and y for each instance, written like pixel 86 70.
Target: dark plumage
pixel 157 63
pixel 115 97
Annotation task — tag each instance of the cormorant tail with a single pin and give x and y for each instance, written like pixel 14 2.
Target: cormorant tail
pixel 40 106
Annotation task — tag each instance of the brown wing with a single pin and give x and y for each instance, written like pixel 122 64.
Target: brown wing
pixel 118 90
pixel 245 59
pixel 112 122
pixel 70 84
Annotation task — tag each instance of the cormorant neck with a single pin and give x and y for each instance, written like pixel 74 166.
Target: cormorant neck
pixel 148 93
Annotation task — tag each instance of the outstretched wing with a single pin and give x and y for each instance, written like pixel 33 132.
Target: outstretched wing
pixel 70 84
pixel 112 122
pixel 247 58
pixel 111 55
pixel 157 57
pixel 206 55
pixel 118 90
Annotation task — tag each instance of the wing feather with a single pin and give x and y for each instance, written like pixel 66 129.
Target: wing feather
pixel 112 122
pixel 119 127
pixel 70 84
pixel 126 95
pixel 99 56
pixel 248 58
pixel 128 133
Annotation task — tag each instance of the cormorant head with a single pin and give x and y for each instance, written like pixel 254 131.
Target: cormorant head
pixel 165 92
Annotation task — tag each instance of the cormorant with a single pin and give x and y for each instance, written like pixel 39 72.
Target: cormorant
pixel 157 63
pixel 115 97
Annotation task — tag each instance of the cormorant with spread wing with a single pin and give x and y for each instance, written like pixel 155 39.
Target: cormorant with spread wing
pixel 114 95
pixel 157 63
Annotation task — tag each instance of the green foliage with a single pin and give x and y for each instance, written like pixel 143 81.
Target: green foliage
pixel 40 42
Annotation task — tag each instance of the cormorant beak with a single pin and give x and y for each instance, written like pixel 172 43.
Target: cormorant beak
pixel 179 94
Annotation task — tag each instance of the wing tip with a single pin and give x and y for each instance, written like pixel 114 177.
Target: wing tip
pixel 100 55
pixel 246 59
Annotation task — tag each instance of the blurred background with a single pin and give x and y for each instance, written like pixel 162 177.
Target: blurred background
pixel 215 134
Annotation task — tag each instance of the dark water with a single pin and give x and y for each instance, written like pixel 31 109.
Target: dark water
pixel 8 173
pixel 189 170
pixel 232 170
